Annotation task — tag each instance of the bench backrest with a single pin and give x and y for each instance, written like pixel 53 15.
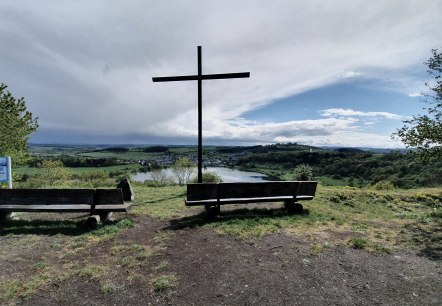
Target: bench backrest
pixel 60 196
pixel 307 188
pixel 109 196
pixel 256 190
pixel 46 196
pixel 206 191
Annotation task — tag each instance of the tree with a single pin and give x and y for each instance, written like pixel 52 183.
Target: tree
pixel 16 125
pixel 183 169
pixel 424 132
pixel 158 174
pixel 53 171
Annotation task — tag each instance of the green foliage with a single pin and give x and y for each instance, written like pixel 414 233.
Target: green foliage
pixel 54 172
pixel 163 283
pixel 183 170
pixel 208 177
pixel 159 176
pixel 16 125
pixel 424 132
pixel 383 185
pixel 303 172
pixel 358 243
pixel 403 170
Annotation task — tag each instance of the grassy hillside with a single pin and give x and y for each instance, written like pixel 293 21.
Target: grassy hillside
pixel 61 252
pixel 379 221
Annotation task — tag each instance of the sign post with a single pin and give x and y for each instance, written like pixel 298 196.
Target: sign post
pixel 5 171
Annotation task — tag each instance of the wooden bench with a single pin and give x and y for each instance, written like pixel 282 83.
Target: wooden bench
pixel 213 195
pixel 97 202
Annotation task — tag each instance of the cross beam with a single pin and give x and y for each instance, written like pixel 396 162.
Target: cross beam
pixel 200 77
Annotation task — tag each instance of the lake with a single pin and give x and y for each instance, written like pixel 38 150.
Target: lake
pixel 229 175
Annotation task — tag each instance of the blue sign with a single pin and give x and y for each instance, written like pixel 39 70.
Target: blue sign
pixel 5 169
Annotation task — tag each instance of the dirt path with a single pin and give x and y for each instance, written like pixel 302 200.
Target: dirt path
pixel 200 267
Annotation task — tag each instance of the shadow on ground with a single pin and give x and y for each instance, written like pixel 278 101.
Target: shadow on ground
pixel 49 227
pixel 429 239
pixel 236 214
pixel 157 200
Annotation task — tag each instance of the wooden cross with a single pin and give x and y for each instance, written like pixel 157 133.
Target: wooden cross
pixel 200 77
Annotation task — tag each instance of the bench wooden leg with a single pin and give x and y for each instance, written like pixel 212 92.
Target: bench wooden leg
pixel 105 216
pixel 6 216
pixel 294 208
pixel 94 219
pixel 212 211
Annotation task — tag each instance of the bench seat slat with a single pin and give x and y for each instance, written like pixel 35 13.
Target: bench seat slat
pixel 47 208
pixel 240 200
pixel 113 207
pixel 304 197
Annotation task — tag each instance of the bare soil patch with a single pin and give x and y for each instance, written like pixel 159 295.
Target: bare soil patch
pixel 155 262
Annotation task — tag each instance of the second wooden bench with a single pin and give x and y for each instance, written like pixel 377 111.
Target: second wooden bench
pixel 213 195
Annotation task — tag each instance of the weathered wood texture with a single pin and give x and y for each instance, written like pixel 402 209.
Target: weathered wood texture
pixel 62 200
pixel 46 196
pixel 231 193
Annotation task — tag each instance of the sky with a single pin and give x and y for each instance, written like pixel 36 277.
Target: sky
pixel 322 73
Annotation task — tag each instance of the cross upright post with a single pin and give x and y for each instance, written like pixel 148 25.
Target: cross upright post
pixel 200 77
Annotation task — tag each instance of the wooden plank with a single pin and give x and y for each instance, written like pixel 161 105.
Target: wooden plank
pixel 47 208
pixel 257 190
pixel 304 198
pixel 113 207
pixel 204 191
pixel 307 188
pixel 239 200
pixel 46 196
pixel 200 202
pixel 255 200
pixel 109 196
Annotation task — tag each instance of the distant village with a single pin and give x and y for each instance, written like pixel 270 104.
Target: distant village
pixel 210 159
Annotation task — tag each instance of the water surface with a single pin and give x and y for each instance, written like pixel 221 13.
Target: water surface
pixel 229 175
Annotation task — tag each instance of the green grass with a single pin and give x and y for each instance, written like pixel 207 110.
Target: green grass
pixel 19 288
pixel 377 215
pixel 164 283
pixel 160 202
pixel 328 181
pixel 91 270
pixel 108 288
pixel 358 243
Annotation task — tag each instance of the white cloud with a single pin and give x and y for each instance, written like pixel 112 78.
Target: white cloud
pixel 86 66
pixel 415 94
pixel 332 112
pixel 320 132
pixel 351 74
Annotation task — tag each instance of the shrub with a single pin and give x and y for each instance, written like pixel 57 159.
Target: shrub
pixel 159 176
pixel 383 185
pixel 208 177
pixel 303 172
pixel 182 170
